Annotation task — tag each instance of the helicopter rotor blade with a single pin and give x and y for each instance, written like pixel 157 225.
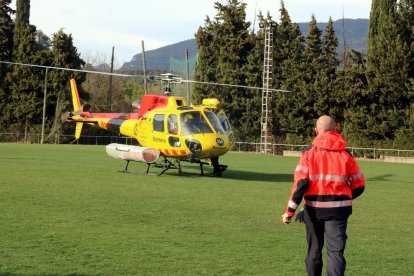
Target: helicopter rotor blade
pixel 237 86
pixel 167 77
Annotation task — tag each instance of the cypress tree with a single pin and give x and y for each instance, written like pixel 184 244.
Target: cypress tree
pixel 254 78
pixel 230 44
pixel 388 72
pixel 288 51
pixel 207 60
pixel 6 51
pixel 302 116
pixel 325 85
pixel 63 54
pixel 24 82
pixel 6 37
pixel 404 136
pixel 352 84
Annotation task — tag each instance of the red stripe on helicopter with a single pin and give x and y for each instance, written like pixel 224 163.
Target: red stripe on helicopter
pixel 172 152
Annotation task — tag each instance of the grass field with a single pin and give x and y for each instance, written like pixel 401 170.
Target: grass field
pixel 66 210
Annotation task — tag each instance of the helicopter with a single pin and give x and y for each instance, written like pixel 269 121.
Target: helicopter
pixel 164 126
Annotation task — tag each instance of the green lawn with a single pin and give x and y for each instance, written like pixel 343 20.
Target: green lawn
pixel 66 210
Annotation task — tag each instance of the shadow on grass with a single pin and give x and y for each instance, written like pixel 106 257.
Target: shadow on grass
pixel 194 172
pixel 385 177
pixel 255 176
pixel 19 274
pixel 237 175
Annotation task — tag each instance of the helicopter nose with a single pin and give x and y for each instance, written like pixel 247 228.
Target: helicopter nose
pixel 193 145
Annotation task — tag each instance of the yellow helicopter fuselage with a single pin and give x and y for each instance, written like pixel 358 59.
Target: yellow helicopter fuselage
pixel 168 125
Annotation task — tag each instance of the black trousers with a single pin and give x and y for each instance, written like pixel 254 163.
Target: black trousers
pixel 335 233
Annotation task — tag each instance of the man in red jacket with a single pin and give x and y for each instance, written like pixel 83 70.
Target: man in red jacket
pixel 327 178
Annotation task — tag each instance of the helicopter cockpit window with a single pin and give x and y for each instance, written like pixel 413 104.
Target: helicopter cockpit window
pixel 194 122
pixel 224 121
pixel 214 121
pixel 158 124
pixel 172 124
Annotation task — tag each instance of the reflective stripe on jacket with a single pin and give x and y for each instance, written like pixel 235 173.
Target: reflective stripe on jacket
pixel 328 178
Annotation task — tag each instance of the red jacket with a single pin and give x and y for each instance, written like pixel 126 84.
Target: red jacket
pixel 327 178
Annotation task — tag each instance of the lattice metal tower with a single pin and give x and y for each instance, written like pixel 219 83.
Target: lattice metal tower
pixel 267 81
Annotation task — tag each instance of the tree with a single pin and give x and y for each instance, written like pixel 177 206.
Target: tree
pixel 300 113
pixel 327 95
pixel 229 41
pixel 6 37
pixel 389 69
pixel 404 135
pixel 207 60
pixel 24 82
pixel 6 51
pixel 288 74
pixel 63 54
pixel 42 40
pixel 352 83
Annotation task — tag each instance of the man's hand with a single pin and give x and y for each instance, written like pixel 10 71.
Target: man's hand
pixel 286 219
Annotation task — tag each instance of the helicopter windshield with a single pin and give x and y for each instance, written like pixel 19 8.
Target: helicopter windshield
pixel 193 122
pixel 214 122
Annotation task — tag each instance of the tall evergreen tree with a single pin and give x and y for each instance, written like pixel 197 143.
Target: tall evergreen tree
pixel 231 44
pixel 303 114
pixel 206 66
pixel 404 137
pixel 6 51
pixel 388 71
pixel 352 83
pixel 63 54
pixel 23 81
pixel 254 78
pixel 6 37
pixel 288 74
pixel 325 89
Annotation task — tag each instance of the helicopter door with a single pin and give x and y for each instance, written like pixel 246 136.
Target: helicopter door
pixel 172 126
pixel 158 131
pixel 224 121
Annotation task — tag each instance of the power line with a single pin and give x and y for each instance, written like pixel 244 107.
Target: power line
pixel 70 69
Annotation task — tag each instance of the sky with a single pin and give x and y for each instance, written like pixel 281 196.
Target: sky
pixel 98 25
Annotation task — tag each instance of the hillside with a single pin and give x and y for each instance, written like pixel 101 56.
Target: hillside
pixel 355 32
pixel 159 59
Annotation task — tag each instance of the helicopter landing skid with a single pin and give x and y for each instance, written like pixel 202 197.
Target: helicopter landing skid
pixel 128 171
pixel 165 165
pixel 194 160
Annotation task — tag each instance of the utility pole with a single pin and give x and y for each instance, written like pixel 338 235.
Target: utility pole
pixel 144 68
pixel 109 100
pixel 188 75
pixel 42 139
pixel 267 81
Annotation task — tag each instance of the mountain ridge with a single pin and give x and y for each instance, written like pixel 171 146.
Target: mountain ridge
pixel 355 32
